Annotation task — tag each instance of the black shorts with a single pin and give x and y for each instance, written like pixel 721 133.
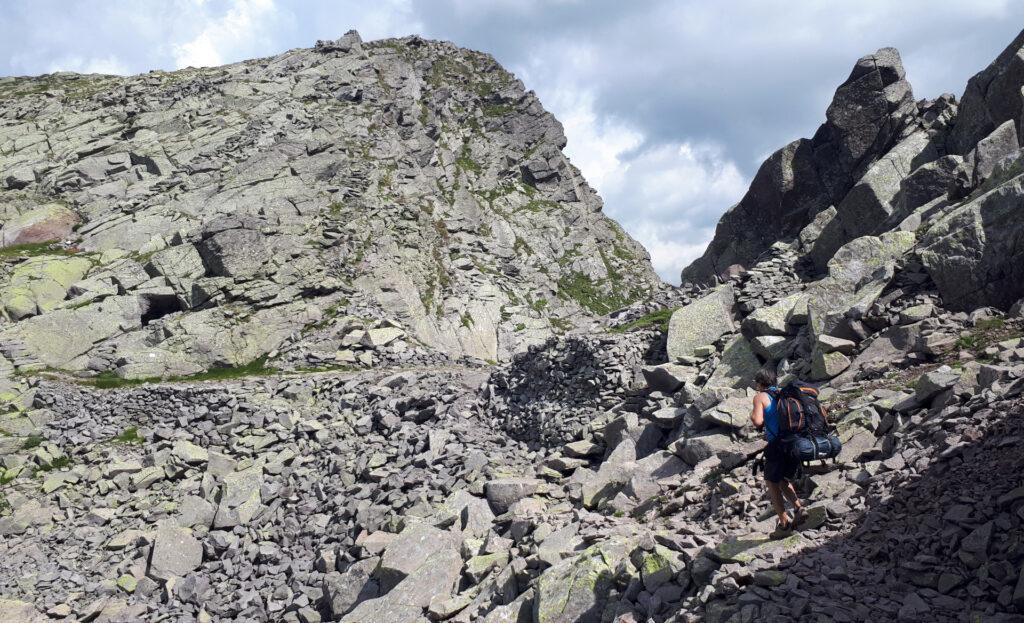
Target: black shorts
pixel 779 462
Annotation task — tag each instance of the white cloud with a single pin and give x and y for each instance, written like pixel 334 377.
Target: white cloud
pixel 596 145
pixel 661 193
pixel 669 254
pixel 238 27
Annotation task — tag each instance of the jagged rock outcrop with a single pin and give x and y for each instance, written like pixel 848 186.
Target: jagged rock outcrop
pixel 404 180
pixel 947 172
pixel 867 115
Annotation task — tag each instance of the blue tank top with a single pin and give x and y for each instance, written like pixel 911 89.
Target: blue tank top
pixel 771 416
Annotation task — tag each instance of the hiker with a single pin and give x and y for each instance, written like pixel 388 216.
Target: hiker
pixel 780 466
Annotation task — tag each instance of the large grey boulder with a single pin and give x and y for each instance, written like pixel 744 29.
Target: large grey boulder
pixel 175 552
pixel 701 322
pixel 975 252
pixel 342 591
pixel 60 338
pixel 413 547
pixel 927 182
pixel 577 589
pixel 992 97
pixel 858 273
pixel 504 492
pixel 48 222
pixel 698 448
pixel 865 117
pixel 771 347
pixel 668 377
pixel 240 498
pixel 733 412
pixel 737 366
pixel 234 253
pixel 771 319
pixel 434 575
pixel 869 205
pixel 178 262
pixel 990 150
pixel 826 365
pixel 17 611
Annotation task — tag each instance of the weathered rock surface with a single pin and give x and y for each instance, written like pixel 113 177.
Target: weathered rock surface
pixel 700 323
pixel 591 477
pixel 975 253
pixel 375 181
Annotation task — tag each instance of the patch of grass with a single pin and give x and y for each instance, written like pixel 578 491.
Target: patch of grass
pixel 32 441
pixel 447 193
pixel 1000 175
pixel 966 342
pixel 467 320
pixel 109 380
pixel 569 256
pixel 5 506
pixel 498 110
pixel 561 324
pixel 465 161
pixel 539 205
pixel 442 231
pixel 520 326
pixel 327 368
pixel 588 294
pixel 335 208
pixel 257 367
pixel 712 477
pixel 656 319
pixel 538 305
pixel 987 332
pixel 7 476
pixel 59 463
pixel 427 295
pixel 622 253
pixel 990 324
pixel 521 247
pixel 332 312
pixel 31 249
pixel 130 435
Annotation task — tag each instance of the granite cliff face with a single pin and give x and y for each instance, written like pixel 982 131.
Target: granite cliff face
pixel 212 217
pixel 941 169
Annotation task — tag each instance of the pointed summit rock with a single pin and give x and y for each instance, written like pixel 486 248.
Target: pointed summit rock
pixel 867 114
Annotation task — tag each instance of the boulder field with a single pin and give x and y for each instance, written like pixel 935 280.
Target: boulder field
pixel 306 339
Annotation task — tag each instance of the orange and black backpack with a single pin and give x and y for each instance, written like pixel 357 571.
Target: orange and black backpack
pixel 799 411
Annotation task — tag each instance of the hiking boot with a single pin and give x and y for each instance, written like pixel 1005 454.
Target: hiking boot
pixel 782 530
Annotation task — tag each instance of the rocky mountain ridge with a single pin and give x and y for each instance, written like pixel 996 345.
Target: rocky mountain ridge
pixel 604 475
pixel 211 217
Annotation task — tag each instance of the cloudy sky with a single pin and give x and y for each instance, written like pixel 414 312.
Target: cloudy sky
pixel 669 107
